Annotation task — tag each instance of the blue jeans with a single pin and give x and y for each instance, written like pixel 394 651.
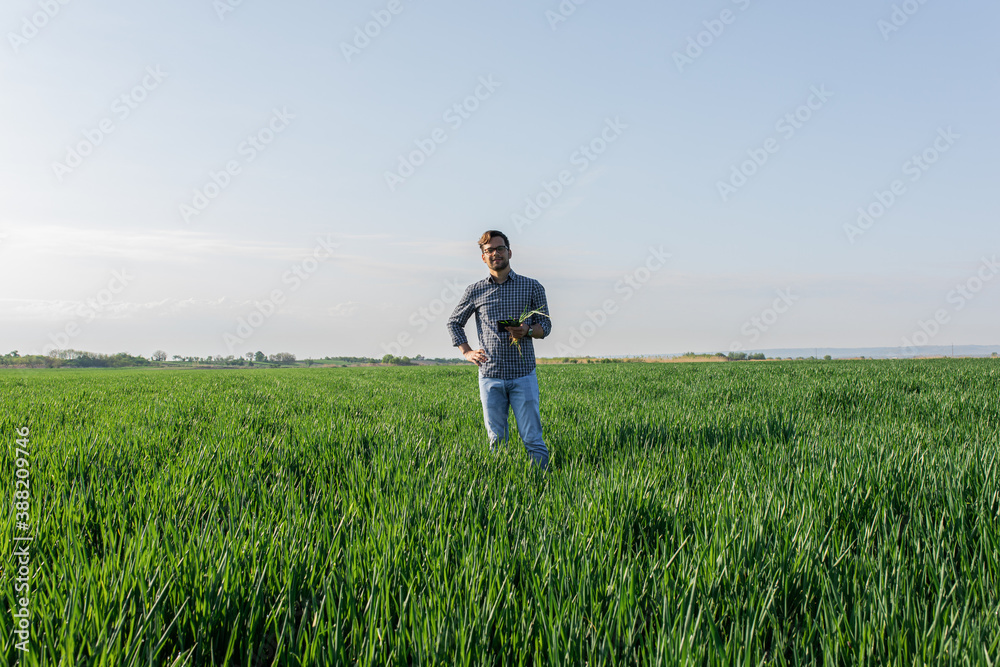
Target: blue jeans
pixel 521 394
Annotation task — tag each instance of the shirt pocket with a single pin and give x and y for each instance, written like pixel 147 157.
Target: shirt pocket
pixel 490 310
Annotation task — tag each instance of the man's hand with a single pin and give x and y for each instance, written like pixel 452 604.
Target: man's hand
pixel 478 357
pixel 518 332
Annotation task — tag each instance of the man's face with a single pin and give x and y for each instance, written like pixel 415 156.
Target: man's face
pixel 496 254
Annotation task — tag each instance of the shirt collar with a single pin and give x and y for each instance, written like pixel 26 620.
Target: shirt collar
pixel 510 276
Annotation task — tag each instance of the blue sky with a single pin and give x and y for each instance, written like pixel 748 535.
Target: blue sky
pixel 305 231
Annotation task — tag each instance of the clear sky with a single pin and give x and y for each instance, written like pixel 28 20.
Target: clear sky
pixel 221 177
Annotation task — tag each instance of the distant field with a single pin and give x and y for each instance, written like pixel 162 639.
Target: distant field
pixel 787 513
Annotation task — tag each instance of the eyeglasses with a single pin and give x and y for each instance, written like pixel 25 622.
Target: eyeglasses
pixel 493 251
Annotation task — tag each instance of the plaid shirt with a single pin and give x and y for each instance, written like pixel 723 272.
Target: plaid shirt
pixel 492 302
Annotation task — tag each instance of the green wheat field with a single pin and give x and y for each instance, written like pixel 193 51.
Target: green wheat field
pixel 834 513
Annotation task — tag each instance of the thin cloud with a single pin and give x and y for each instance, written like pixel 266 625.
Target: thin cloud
pixel 66 309
pixel 155 245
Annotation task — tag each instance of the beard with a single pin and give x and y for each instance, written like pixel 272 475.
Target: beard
pixel 500 263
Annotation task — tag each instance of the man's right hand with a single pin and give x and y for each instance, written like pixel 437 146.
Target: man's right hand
pixel 478 357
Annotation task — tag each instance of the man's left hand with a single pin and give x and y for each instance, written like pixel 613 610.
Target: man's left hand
pixel 518 332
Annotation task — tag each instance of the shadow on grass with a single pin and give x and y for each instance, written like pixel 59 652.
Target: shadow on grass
pixel 607 445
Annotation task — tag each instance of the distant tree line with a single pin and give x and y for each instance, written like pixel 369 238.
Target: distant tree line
pixel 73 359
pixel 70 358
pixel 415 361
pixel 80 359
pixel 743 356
pixel 248 359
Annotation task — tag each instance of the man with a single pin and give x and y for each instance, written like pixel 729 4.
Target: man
pixel 506 374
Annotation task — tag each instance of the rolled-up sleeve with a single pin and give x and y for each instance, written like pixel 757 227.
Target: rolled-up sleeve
pixel 460 316
pixel 538 302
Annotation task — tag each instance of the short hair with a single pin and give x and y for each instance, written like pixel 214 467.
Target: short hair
pixel 488 235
